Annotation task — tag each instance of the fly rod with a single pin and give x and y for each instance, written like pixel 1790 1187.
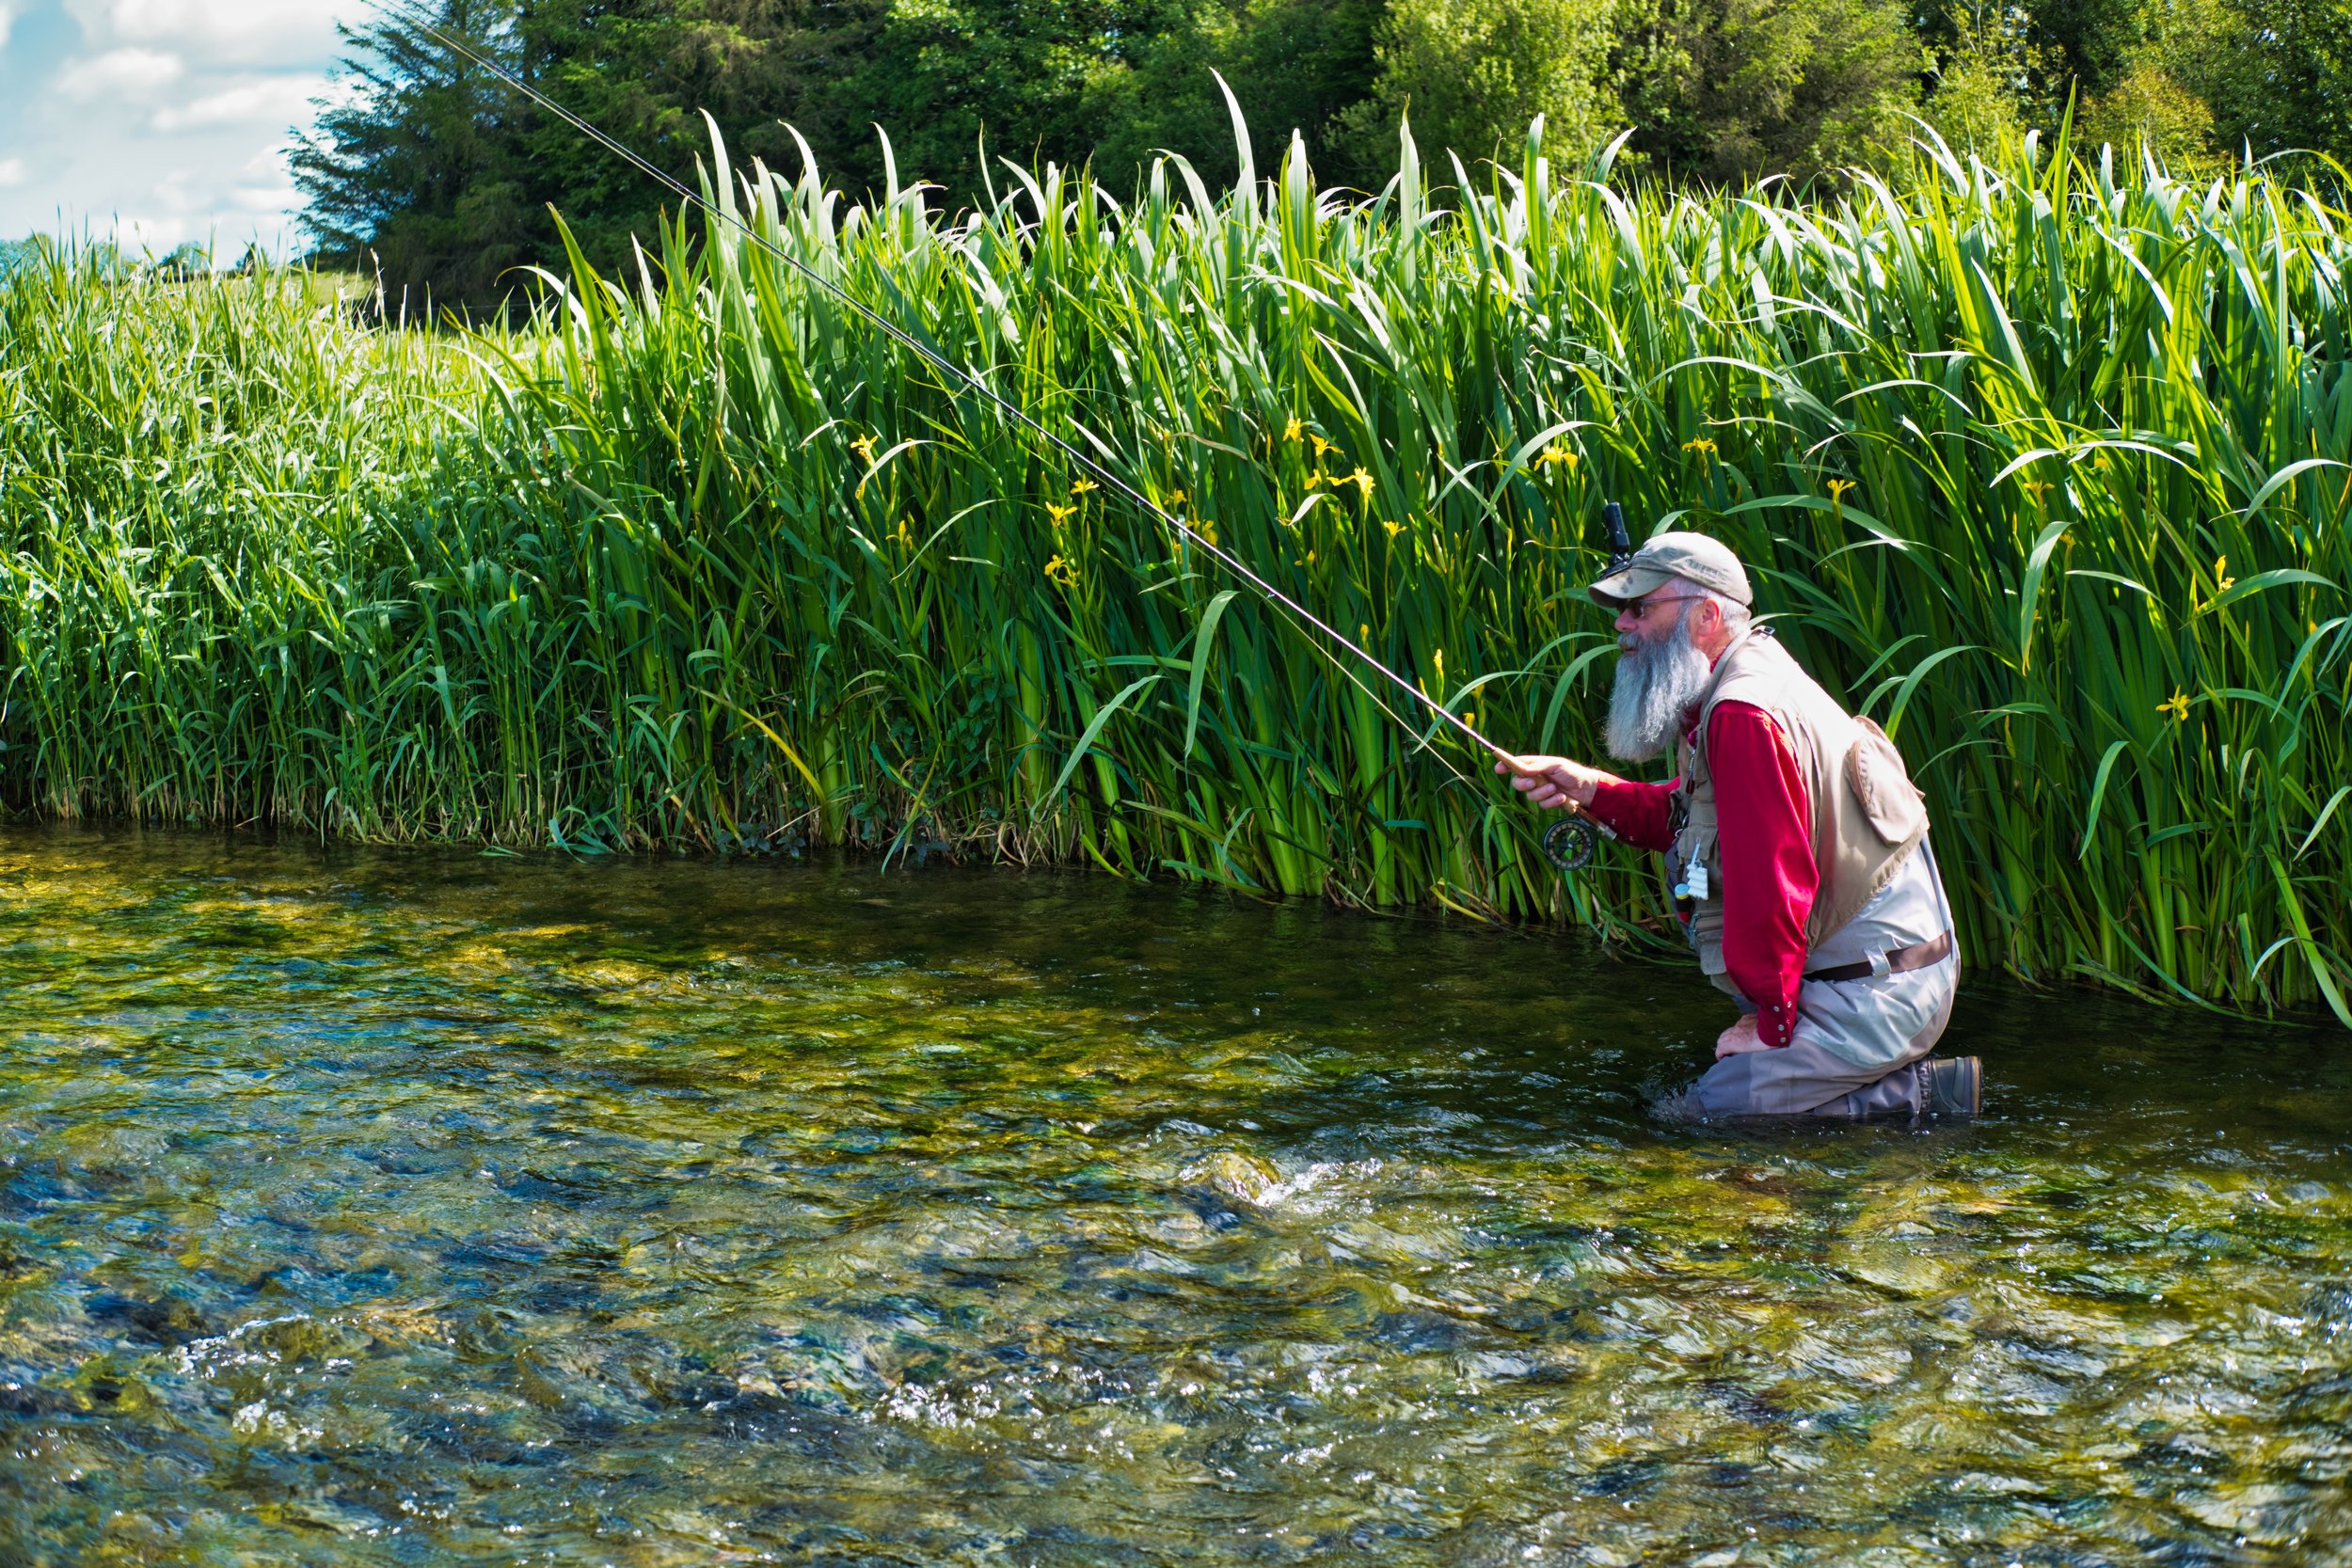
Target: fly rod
pixel 962 377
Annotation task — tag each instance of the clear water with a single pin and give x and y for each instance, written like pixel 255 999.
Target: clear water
pixel 428 1209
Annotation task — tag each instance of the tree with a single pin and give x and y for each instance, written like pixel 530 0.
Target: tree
pixel 2277 74
pixel 443 178
pixel 1032 80
pixel 1474 73
pixel 2150 110
pixel 2085 47
pixel 1729 91
pixel 183 265
pixel 30 251
pixel 439 176
pixel 1985 93
pixel 1293 65
pixel 648 71
pixel 416 171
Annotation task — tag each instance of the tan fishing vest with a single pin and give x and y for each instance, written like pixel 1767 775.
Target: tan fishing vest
pixel 1866 815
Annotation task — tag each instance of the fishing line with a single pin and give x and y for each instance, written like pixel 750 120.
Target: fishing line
pixel 1570 843
pixel 941 362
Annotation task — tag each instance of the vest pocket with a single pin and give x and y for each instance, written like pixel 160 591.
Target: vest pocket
pixel 1882 785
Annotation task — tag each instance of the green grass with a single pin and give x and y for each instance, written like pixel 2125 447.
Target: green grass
pixel 2020 455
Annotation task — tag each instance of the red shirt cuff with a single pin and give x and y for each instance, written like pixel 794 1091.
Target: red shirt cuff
pixel 1637 813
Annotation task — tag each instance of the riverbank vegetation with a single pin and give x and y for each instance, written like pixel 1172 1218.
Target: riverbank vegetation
pixel 2042 464
pixel 427 170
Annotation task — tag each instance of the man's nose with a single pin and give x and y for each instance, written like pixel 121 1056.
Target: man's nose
pixel 1627 621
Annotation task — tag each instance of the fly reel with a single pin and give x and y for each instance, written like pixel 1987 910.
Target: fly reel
pixel 1571 843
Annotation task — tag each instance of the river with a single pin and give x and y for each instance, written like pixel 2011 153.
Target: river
pixel 427 1208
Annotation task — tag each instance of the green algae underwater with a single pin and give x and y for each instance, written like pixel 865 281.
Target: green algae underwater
pixel 412 1207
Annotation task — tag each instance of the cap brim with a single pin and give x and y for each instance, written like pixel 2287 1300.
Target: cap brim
pixel 1619 589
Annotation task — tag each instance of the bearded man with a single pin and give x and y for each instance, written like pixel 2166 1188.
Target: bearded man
pixel 1796 845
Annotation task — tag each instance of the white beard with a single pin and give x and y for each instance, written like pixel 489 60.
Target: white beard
pixel 1657 683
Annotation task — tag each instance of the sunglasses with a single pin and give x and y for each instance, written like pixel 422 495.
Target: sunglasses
pixel 1640 608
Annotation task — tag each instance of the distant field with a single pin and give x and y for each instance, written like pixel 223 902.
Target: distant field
pixel 2043 464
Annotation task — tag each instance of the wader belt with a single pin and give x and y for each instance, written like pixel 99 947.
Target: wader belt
pixel 1901 961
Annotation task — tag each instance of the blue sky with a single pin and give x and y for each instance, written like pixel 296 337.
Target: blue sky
pixel 160 120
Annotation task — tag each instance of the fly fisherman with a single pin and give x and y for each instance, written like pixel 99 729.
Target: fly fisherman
pixel 1797 846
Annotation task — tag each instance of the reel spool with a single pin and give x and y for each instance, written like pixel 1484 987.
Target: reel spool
pixel 1571 843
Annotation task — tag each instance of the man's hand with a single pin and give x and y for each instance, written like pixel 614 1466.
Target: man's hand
pixel 1739 1038
pixel 1553 782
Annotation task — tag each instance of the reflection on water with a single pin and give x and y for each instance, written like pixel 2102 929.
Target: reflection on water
pixel 428 1209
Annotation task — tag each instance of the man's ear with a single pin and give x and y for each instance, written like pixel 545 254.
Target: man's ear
pixel 1712 628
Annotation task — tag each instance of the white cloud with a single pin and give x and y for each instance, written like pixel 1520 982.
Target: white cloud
pixel 265 186
pixel 266 200
pixel 242 32
pixel 271 101
pixel 121 72
pixel 8 10
pixel 167 122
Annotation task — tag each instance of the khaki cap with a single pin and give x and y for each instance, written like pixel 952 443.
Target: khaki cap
pixel 1693 557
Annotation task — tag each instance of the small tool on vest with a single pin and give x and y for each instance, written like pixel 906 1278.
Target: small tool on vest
pixel 1694 880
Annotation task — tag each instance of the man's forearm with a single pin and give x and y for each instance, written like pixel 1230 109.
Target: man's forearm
pixel 1640 814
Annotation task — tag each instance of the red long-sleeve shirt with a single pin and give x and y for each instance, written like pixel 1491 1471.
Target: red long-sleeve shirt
pixel 1764 839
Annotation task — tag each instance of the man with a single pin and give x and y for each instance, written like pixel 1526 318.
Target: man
pixel 1797 847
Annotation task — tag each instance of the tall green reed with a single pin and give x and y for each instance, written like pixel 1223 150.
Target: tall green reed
pixel 2043 464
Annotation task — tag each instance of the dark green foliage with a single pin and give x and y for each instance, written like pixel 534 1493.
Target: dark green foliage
pixel 1293 65
pixel 2278 73
pixel 435 175
pixel 1034 80
pixel 440 177
pixel 648 71
pixel 1474 73
pixel 2086 45
pixel 1727 91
